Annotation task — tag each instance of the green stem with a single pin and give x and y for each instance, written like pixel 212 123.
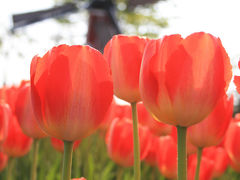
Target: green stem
pixel 9 168
pixel 199 157
pixel 137 163
pixel 182 153
pixel 35 159
pixel 67 160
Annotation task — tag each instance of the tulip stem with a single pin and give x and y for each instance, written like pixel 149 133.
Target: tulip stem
pixel 137 163
pixel 67 160
pixel 9 168
pixel 182 153
pixel 35 159
pixel 199 157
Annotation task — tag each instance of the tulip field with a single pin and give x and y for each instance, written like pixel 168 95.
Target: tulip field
pixel 93 163
pixel 177 122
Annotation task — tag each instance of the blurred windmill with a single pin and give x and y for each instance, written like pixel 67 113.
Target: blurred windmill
pixel 102 23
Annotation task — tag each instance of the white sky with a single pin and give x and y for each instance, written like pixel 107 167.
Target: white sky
pixel 218 17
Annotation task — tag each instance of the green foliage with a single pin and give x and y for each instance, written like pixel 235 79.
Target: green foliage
pixel 142 21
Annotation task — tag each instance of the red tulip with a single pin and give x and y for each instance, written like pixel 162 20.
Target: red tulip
pixel 115 111
pixel 24 112
pixel 154 149
pixel 5 115
pixel 59 145
pixel 3 160
pixel 82 178
pixel 10 95
pixel 220 158
pixel 167 157
pixel 232 143
pixel 191 149
pixel 124 54
pixel 119 140
pixel 181 80
pixel 16 144
pixel 71 90
pixel 206 168
pixel 211 130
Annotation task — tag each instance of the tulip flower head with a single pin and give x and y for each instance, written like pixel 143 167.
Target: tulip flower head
pixel 71 90
pixel 181 80
pixel 167 157
pixel 119 140
pixel 16 144
pixel 212 129
pixel 220 158
pixel 206 168
pixel 232 143
pixel 154 149
pixel 5 115
pixel 24 112
pixel 124 55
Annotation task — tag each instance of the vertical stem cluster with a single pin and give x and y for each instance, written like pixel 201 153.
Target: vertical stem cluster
pixel 182 153
pixel 67 160
pixel 35 159
pixel 199 157
pixel 137 163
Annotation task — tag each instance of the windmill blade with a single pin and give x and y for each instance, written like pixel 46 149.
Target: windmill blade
pixel 20 20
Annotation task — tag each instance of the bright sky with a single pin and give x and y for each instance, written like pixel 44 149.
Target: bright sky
pixel 218 17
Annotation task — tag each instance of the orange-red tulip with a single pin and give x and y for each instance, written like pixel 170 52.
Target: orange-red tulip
pixel 71 91
pixel 3 160
pixel 167 157
pixel 211 130
pixel 220 158
pixel 82 178
pixel 59 145
pixel 5 115
pixel 154 149
pixel 119 140
pixel 16 144
pixel 124 54
pixel 206 168
pixel 232 143
pixel 24 112
pixel 113 112
pixel 9 96
pixel 181 80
